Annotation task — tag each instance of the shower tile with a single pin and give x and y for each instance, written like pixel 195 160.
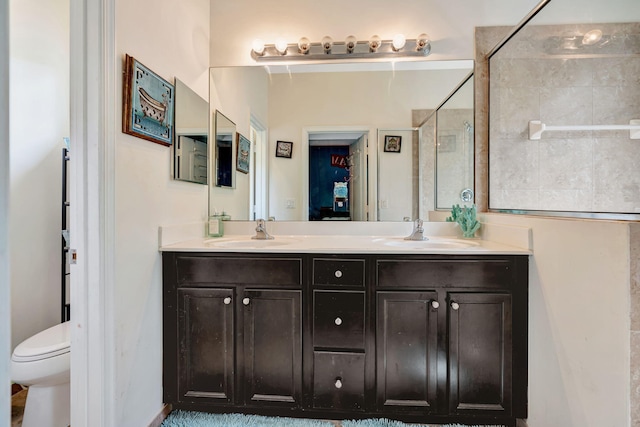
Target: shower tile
pixel 514 164
pixel 566 72
pixel 517 72
pixel 616 104
pixel 566 165
pixel 622 71
pixel 635 378
pixel 635 278
pixel 566 105
pixel 566 200
pixel 517 107
pixel 513 199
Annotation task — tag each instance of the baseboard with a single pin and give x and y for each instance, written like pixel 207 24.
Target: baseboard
pixel 164 413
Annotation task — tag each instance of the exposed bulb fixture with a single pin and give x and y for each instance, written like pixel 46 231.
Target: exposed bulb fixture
pixel 258 47
pixel 398 42
pixel 327 44
pixel 374 43
pixel 281 46
pixel 350 43
pixel 304 44
pixel 423 43
pixel 592 37
pixel 350 48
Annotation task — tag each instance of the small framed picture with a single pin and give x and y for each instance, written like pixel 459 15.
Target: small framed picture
pixel 148 103
pixel 284 149
pixel 243 157
pixel 392 143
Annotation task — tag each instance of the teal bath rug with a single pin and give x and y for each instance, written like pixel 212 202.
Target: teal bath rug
pixel 202 419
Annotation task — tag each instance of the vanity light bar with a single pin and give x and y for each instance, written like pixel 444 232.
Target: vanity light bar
pixel 349 49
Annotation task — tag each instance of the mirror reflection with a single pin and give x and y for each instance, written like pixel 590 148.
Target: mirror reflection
pixel 225 132
pixel 349 108
pixel 455 148
pixel 191 135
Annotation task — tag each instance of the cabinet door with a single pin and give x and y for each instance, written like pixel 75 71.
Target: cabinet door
pixel 480 353
pixel 406 351
pixel 272 347
pixel 206 347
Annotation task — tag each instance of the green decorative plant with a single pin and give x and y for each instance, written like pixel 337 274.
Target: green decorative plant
pixel 466 218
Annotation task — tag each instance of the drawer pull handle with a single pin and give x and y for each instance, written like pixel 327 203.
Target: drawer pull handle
pixel 435 304
pixel 455 305
pixel 227 301
pixel 338 274
pixel 246 301
pixel 338 321
pixel 338 383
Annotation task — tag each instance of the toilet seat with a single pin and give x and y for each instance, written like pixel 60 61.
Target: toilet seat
pixel 49 343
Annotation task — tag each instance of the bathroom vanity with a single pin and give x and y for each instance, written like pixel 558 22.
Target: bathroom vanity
pixel 416 335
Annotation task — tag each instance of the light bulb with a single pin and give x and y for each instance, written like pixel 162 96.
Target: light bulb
pixel 374 43
pixel 327 44
pixel 398 41
pixel 258 47
pixel 422 43
pixel 351 42
pixel 592 37
pixel 281 46
pixel 304 44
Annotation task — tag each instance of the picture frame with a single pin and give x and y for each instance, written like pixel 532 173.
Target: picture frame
pixel 392 143
pixel 243 153
pixel 148 104
pixel 284 149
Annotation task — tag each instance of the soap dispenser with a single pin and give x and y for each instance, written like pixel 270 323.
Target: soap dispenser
pixel 214 226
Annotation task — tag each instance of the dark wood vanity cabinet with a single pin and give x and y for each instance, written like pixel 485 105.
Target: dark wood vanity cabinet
pixel 232 336
pixel 421 338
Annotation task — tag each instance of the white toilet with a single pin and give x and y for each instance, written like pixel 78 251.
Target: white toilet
pixel 42 363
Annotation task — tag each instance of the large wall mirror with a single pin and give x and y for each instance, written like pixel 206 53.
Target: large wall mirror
pixel 337 118
pixel 190 158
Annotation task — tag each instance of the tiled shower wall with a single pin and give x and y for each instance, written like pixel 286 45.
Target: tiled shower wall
pixel 635 323
pixel 544 74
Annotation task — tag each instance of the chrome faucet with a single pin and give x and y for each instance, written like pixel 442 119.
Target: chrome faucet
pixel 418 231
pixel 261 231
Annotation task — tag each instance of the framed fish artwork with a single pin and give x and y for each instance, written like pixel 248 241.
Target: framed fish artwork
pixel 148 104
pixel 243 156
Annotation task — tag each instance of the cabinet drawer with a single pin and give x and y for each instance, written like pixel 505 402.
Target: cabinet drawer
pixel 444 273
pixel 338 272
pixel 241 270
pixel 338 319
pixel 338 380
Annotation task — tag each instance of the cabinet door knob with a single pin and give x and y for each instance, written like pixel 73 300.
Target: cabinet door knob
pixel 338 321
pixel 338 274
pixel 338 383
pixel 245 301
pixel 455 305
pixel 435 304
pixel 227 301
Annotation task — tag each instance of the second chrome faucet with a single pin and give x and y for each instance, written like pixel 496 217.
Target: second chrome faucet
pixel 261 231
pixel 418 231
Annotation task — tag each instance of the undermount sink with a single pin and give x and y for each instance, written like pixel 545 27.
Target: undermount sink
pixel 431 243
pixel 251 243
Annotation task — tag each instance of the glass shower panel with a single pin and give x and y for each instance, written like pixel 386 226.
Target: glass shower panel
pixel 582 79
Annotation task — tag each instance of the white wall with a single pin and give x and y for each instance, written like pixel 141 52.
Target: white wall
pixel 146 197
pixel 579 282
pixel 5 307
pixel 450 24
pixel 39 105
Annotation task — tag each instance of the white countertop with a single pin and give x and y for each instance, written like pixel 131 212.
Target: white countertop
pixel 345 244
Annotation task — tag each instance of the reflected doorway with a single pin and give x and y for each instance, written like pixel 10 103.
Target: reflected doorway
pixel 337 176
pixel 258 183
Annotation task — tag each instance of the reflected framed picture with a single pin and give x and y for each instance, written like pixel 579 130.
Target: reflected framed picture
pixel 243 154
pixel 446 143
pixel 284 149
pixel 148 104
pixel 392 143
